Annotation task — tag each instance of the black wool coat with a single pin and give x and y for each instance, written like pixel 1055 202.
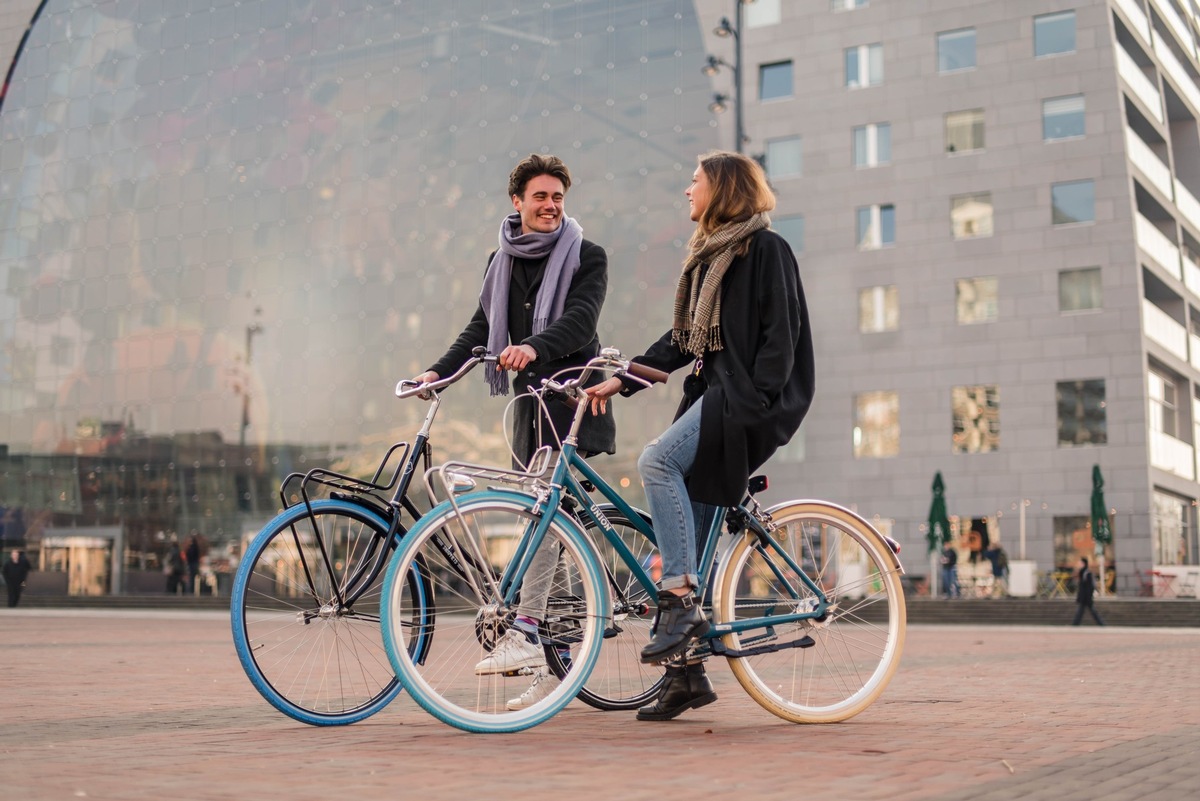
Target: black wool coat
pixel 569 341
pixel 757 389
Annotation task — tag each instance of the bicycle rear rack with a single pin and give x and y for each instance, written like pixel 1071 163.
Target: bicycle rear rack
pixel 346 485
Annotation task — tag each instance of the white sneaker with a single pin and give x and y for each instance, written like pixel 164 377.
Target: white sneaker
pixel 543 685
pixel 512 653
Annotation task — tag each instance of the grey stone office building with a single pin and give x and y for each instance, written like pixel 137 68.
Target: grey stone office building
pixel 227 227
pixel 997 208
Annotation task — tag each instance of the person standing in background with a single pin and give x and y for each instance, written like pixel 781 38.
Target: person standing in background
pixel 16 570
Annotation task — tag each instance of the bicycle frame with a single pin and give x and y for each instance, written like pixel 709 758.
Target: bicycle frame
pixel 563 483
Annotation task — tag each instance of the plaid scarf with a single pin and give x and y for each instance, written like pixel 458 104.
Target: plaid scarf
pixel 697 325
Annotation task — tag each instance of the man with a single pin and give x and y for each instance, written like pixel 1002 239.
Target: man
pixel 16 570
pixel 1085 592
pixel 538 310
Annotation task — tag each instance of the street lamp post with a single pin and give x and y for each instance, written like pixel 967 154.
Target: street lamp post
pixel 251 330
pixel 713 65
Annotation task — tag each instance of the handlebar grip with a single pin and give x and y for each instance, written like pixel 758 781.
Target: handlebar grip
pixel 647 373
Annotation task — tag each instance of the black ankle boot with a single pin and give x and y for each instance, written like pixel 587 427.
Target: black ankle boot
pixel 680 619
pixel 685 688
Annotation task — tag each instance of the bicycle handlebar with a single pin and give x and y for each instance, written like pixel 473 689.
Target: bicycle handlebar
pixel 407 388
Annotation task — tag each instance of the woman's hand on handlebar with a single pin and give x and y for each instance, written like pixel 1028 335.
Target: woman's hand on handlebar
pixel 602 392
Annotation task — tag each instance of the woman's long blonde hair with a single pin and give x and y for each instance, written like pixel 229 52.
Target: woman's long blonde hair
pixel 738 190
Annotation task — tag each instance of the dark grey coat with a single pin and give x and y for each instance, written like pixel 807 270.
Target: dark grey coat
pixel 569 341
pixel 757 389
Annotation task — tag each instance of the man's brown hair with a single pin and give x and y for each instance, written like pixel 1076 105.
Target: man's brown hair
pixel 533 166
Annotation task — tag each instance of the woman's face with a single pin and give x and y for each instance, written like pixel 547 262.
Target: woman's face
pixel 698 193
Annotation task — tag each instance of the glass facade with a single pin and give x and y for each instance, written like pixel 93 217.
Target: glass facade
pixel 227 229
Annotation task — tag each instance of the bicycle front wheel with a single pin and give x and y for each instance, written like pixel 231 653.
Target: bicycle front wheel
pixel 620 680
pixel 309 651
pixel 813 671
pixel 458 679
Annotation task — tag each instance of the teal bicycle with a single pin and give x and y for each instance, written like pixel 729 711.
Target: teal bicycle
pixel 806 599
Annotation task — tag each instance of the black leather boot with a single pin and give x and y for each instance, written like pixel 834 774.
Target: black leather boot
pixel 680 619
pixel 685 688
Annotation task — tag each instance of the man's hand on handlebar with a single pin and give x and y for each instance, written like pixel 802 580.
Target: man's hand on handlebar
pixel 427 377
pixel 516 357
pixel 602 392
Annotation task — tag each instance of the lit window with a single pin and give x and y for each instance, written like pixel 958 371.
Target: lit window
pixel 876 425
pixel 864 66
pixel 956 50
pixel 964 131
pixel 1072 202
pixel 976 300
pixel 878 309
pixel 1082 418
pixel 876 226
pixel 872 145
pixel 785 158
pixel 775 80
pixel 1079 290
pixel 1062 117
pixel 1054 34
pixel 971 215
pixel 976 413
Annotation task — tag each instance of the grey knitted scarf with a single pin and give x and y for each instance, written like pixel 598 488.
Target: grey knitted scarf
pixel 562 247
pixel 697 324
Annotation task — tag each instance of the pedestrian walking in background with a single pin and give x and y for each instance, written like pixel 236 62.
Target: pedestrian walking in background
pixel 16 570
pixel 1086 593
pixel 950 586
pixel 999 559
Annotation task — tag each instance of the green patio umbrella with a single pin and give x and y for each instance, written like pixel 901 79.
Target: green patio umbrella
pixel 939 522
pixel 1101 527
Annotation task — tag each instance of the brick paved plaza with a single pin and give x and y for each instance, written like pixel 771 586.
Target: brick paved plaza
pixel 108 704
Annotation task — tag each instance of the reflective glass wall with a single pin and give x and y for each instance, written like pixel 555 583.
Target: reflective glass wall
pixel 228 228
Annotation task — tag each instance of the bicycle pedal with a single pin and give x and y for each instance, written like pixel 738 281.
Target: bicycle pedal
pixel 509 674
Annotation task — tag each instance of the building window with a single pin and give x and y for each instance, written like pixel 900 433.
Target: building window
pixel 792 230
pixel 761 13
pixel 876 226
pixel 956 50
pixel 785 158
pixel 1170 527
pixel 971 215
pixel 1079 290
pixel 976 300
pixel 1062 117
pixel 864 66
pixel 873 144
pixel 876 425
pixel 976 411
pixel 775 80
pixel 1072 202
pixel 1054 34
pixel 1164 405
pixel 964 131
pixel 847 5
pixel 878 309
pixel 1082 419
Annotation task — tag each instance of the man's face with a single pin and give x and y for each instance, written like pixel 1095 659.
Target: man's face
pixel 541 208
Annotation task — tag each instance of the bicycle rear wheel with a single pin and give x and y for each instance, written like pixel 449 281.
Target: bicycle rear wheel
pixel 464 553
pixel 620 680
pixel 315 659
pixel 814 671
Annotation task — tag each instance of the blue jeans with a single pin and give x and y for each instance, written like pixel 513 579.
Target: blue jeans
pixel 663 465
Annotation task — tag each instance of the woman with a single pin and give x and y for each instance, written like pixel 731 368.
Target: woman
pixel 741 321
